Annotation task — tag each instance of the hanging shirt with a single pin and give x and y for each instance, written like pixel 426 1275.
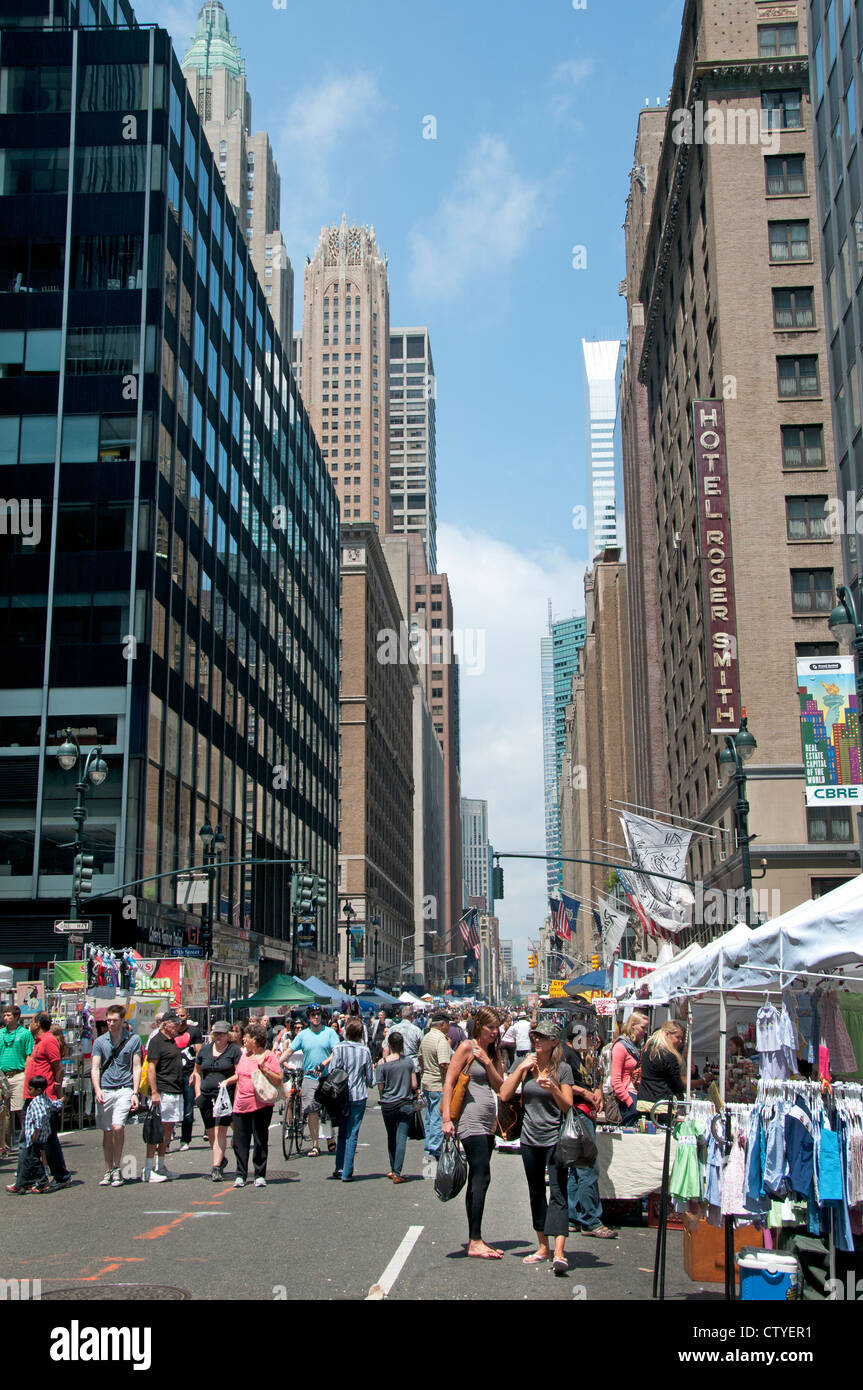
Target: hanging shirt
pixel 686 1175
pixel 800 1147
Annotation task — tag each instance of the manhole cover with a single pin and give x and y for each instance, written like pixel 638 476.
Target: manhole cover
pixel 143 1293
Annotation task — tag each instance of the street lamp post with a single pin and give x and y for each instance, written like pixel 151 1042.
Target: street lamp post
pixel 93 773
pixel 349 914
pixel 738 749
pixel 376 922
pixel 846 626
pixel 214 843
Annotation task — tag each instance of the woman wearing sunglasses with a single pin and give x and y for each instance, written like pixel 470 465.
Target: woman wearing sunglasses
pixel 546 1088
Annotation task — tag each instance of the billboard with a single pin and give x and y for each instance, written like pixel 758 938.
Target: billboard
pixel 830 730
pixel 717 573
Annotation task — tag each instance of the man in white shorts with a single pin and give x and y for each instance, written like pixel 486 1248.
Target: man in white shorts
pixel 165 1075
pixel 115 1071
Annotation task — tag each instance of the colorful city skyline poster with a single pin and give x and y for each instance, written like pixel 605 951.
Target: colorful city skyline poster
pixel 830 730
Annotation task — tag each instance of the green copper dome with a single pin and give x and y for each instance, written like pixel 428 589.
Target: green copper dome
pixel 214 46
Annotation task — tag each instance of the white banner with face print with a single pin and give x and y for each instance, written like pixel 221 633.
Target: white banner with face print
pixel 658 848
pixel 614 924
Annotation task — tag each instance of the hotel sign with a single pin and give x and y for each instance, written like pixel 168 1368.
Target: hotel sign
pixel 717 574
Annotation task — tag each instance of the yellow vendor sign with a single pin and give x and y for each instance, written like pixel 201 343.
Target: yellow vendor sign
pixel 557 990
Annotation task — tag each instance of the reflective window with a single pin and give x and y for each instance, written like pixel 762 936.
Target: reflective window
pixel 111 169
pixel 35 90
pixel 113 87
pixel 107 262
pixel 34 171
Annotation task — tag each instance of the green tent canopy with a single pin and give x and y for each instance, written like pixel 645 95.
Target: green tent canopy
pixel 281 989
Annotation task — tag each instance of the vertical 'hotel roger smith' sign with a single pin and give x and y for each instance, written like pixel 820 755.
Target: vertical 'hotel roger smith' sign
pixel 717 574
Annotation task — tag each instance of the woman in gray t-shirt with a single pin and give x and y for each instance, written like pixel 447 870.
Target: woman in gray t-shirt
pixel 397 1082
pixel 546 1088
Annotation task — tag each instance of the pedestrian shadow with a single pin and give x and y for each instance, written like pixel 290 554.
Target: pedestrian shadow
pixel 507 1246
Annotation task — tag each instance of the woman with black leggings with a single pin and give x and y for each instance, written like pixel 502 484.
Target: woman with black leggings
pixel 476 1122
pixel 546 1089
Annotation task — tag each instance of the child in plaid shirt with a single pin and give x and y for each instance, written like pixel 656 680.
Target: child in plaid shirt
pixel 31 1175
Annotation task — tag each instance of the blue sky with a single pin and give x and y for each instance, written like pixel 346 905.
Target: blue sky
pixel 536 108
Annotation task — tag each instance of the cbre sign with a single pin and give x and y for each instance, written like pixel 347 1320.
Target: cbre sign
pixel 717 572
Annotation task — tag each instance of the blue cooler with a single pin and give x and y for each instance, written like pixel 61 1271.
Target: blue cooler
pixel 766 1276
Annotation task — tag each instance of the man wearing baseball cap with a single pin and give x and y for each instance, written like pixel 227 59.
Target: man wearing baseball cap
pixel 435 1055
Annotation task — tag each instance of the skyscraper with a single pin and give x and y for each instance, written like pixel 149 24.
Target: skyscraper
pixel 181 607
pixel 721 252
pixel 603 471
pixel 413 476
pixel 475 852
pixel 559 661
pixel 836 44
pixel 215 70
pixel 344 353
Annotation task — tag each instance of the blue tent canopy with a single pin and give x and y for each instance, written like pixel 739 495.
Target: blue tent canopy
pixel 375 999
pixel 594 979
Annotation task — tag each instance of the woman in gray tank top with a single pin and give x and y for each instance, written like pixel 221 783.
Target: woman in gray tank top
pixel 477 1120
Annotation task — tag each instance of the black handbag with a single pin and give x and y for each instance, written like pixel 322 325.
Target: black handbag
pixel 417 1128
pixel 576 1147
pixel 451 1173
pixel 153 1131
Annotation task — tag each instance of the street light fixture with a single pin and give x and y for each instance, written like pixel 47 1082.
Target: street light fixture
pixel 738 749
pixel 376 922
pixel 214 843
pixel 94 772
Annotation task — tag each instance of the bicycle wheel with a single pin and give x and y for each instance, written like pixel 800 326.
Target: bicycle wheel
pixel 287 1134
pixel 299 1127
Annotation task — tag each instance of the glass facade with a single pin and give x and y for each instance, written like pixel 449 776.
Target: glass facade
pixel 559 663
pixel 835 46
pixel 183 593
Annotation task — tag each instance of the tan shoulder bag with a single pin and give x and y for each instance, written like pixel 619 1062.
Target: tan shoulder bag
pixel 459 1089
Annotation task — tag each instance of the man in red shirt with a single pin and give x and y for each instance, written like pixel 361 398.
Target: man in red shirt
pixel 44 1060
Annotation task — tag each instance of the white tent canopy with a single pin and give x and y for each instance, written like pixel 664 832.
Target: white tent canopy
pixel 407 998
pixel 6 976
pixel 815 938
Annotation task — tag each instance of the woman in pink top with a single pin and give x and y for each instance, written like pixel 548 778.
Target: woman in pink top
pixel 252 1116
pixel 625 1056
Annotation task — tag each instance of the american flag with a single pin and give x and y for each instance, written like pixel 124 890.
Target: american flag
pixel 647 922
pixel 468 928
pixel 564 911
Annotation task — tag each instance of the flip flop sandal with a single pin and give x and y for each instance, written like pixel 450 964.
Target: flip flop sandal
pixel 561 1267
pixel 482 1255
pixel 601 1233
pixel 536 1259
pixel 314 1153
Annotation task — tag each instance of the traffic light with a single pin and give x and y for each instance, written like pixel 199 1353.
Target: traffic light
pixel 468 981
pixel 82 875
pixel 531 962
pixel 303 894
pixel 320 892
pixel 497 883
pixel 594 962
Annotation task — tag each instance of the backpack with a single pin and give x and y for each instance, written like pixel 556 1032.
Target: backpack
pixel 332 1093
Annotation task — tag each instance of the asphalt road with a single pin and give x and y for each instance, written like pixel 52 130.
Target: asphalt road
pixel 305 1236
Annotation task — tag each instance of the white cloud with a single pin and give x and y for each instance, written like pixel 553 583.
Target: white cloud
pixel 504 593
pixel 324 123
pixel 565 80
pixel 484 222
pixel 179 17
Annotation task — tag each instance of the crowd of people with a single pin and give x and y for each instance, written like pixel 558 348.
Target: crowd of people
pixel 454 1070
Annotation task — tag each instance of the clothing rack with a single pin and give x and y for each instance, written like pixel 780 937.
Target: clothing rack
pixel 671 1108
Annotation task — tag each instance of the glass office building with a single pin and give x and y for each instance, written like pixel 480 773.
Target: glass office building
pixel 178 601
pixel 558 663
pixel 835 31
